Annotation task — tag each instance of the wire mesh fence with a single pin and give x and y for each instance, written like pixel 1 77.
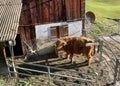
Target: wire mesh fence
pixel 110 56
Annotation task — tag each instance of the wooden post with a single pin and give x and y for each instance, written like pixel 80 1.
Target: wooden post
pixel 83 27
pixel 2 50
pixel 116 71
pixel 7 63
pixel 101 49
pixel 119 27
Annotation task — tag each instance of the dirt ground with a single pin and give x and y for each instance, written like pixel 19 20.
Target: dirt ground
pixel 80 65
pixel 105 74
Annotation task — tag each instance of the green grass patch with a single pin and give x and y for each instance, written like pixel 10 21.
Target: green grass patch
pixel 104 8
pixel 115 2
pixel 2 83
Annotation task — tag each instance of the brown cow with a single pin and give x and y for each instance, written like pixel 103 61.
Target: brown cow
pixel 77 45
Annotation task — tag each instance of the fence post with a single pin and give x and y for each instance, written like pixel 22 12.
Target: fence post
pixel 116 71
pixel 119 27
pixel 8 66
pixel 11 44
pixel 101 49
pixel 49 77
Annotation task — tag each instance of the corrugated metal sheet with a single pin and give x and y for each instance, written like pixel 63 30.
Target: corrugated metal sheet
pixel 9 18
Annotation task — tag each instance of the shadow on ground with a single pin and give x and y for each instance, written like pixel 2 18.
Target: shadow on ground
pixel 51 60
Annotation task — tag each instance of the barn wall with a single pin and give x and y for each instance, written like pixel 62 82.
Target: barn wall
pixel 37 14
pixel 43 31
pixel 51 11
pixel 73 9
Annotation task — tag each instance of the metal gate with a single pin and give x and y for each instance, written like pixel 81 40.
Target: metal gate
pixel 48 72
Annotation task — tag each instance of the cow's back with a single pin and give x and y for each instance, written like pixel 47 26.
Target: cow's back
pixel 77 45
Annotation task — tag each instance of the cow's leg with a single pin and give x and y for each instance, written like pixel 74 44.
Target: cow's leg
pixel 89 57
pixel 71 58
pixel 68 55
pixel 89 60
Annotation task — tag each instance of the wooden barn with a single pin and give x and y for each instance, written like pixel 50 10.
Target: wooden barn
pixel 48 19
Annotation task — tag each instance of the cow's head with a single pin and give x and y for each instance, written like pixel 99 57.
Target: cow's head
pixel 60 44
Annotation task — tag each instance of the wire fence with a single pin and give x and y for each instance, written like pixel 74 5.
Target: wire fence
pixel 110 56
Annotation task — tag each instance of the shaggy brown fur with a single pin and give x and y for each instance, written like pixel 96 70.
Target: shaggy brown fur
pixel 76 45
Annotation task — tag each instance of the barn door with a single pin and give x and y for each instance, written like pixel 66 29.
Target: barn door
pixel 59 31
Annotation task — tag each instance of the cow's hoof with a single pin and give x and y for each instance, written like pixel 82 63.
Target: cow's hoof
pixel 70 62
pixel 74 62
pixel 87 62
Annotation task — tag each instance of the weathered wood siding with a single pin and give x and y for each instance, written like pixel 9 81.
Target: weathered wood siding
pixel 47 11
pixel 73 9
pixel 37 12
